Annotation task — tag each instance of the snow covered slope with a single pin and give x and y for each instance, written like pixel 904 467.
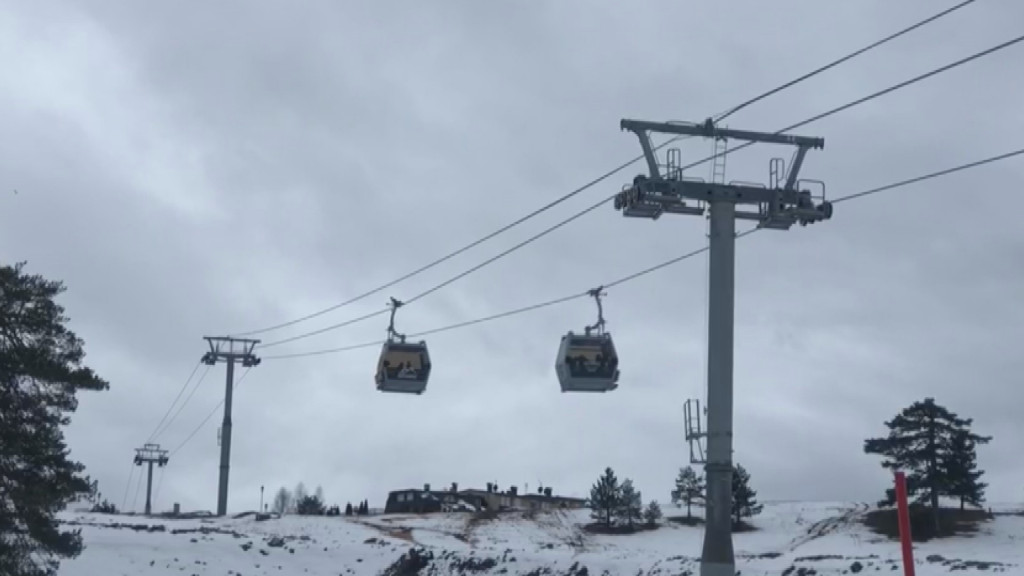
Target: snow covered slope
pixel 793 538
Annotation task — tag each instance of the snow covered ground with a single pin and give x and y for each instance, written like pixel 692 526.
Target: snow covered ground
pixel 793 538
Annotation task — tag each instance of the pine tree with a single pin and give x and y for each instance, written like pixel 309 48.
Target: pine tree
pixel 689 488
pixel 744 498
pixel 652 513
pixel 104 507
pixel 960 467
pixel 631 507
pixel 348 509
pixel 604 497
pixel 920 442
pixel 319 493
pixel 40 373
pixel 309 506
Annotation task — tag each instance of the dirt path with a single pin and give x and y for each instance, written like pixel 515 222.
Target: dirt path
pixel 397 532
pixel 560 526
pixel 827 526
pixel 402 532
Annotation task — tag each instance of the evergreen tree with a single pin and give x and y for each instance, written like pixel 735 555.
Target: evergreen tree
pixel 652 513
pixel 689 488
pixel 104 507
pixel 309 506
pixel 920 442
pixel 348 509
pixel 631 507
pixel 604 497
pixel 744 498
pixel 961 469
pixel 40 373
pixel 319 493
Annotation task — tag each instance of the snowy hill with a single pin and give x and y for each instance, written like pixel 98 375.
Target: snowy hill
pixel 792 538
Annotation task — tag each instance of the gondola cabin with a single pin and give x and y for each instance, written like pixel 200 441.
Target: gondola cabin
pixel 403 367
pixel 587 363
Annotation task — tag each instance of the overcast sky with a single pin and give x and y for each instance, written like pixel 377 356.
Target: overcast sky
pixel 190 169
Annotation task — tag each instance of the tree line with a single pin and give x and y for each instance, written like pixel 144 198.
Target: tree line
pixel 933 446
pixel 616 504
pixel 691 488
pixel 301 503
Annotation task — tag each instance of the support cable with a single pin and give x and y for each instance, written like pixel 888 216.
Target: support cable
pixel 651 269
pixel 208 416
pixel 849 56
pixel 138 488
pixel 836 110
pixel 128 487
pixel 159 482
pixel 153 434
pixel 604 176
pixel 181 406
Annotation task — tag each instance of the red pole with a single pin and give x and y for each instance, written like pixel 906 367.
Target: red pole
pixel 903 512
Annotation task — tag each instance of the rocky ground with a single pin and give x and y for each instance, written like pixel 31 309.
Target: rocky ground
pixel 791 539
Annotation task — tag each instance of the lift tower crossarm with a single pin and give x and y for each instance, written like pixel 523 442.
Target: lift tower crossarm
pixel 709 130
pixel 645 145
pixel 777 207
pixel 642 129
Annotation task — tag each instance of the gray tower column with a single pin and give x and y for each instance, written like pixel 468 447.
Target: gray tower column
pixel 149 490
pixel 717 556
pixel 225 444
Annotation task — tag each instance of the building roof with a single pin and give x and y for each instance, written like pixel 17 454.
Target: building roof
pixel 552 497
pixel 480 491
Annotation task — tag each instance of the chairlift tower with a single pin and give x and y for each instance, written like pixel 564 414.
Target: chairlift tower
pixel 150 454
pixel 229 350
pixel 779 205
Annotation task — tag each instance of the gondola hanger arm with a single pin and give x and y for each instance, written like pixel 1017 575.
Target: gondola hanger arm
pixel 597 293
pixel 392 333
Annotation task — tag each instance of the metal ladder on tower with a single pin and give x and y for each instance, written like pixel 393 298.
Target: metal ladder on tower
pixel 718 162
pixel 696 436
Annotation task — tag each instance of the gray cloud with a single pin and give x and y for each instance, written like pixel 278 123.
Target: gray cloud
pixel 188 170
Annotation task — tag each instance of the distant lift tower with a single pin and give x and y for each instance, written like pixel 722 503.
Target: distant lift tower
pixel 230 350
pixel 150 454
pixel 781 204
